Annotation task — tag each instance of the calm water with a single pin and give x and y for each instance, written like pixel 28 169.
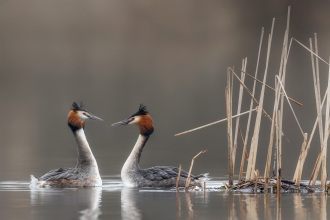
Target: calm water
pixel 113 201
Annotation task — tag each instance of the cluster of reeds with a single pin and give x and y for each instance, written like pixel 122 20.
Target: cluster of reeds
pixel 276 133
pixel 259 185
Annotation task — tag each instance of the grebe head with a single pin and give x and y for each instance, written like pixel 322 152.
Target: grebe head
pixel 142 119
pixel 77 116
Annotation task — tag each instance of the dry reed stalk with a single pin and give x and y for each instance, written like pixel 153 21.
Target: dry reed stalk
pixel 279 152
pixel 301 160
pixel 178 178
pixel 255 139
pixel 318 107
pixel 229 129
pixel 267 115
pixel 315 171
pixel 191 166
pixel 282 83
pixel 213 123
pixel 279 81
pixel 326 135
pixel 256 175
pixel 310 51
pixel 318 83
pixel 274 125
pixel 250 93
pixel 322 157
pixel 317 165
pixel 251 105
pixel 244 63
pixel 272 134
pixel 317 71
pixel 317 94
pixel 244 156
pixel 249 75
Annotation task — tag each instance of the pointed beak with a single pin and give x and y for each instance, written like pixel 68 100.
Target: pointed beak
pixel 93 117
pixel 123 122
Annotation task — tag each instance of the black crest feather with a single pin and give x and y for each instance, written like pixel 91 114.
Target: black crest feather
pixel 76 107
pixel 142 111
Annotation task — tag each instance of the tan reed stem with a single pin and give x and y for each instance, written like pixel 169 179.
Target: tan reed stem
pixel 310 50
pixel 279 81
pixel 255 139
pixel 191 166
pixel 244 155
pixel 178 178
pixel 249 75
pixel 301 160
pixel 326 135
pixel 213 123
pixel 229 129
pixel 244 63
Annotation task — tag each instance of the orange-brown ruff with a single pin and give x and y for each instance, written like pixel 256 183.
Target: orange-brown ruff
pixel 86 172
pixel 145 124
pixel 160 176
pixel 74 119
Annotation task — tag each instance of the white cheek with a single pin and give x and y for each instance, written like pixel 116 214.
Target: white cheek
pixel 82 116
pixel 136 120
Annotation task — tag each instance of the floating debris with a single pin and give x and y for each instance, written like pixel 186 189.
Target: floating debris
pixel 287 186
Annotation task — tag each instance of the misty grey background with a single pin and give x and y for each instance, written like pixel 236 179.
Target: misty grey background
pixel 169 55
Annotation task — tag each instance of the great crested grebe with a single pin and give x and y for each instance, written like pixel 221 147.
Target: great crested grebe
pixel 159 176
pixel 86 172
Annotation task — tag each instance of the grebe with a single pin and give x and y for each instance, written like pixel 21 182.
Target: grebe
pixel 86 172
pixel 159 176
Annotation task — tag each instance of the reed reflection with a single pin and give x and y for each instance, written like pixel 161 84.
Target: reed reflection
pixel 267 207
pixel 323 206
pixel 246 206
pixel 278 206
pixel 189 205
pixel 178 202
pixel 86 202
pixel 300 213
pixel 303 206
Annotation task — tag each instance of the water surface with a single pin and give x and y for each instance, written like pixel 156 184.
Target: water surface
pixel 113 201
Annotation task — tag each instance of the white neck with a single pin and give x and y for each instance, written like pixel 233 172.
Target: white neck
pixel 132 163
pixel 86 158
